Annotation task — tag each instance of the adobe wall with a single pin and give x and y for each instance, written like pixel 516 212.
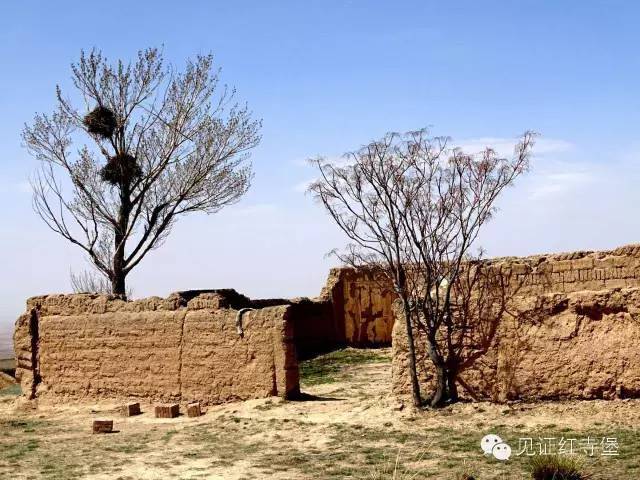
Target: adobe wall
pixel 363 305
pixel 571 331
pixel 182 348
pixel 361 308
pixel 576 271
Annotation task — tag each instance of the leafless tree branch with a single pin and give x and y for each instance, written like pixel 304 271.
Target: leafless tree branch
pixel 412 208
pixel 178 144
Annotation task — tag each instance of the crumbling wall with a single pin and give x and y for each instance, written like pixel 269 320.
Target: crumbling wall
pixel 578 345
pixel 182 348
pixel 571 330
pixel 361 307
pixel 220 365
pixel 363 303
pixel 368 308
pixel 575 271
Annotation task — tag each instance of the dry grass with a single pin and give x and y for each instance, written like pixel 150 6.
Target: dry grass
pixel 557 467
pixel 349 431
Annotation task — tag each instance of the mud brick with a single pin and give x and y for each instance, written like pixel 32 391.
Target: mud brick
pixel 171 410
pixel 130 409
pixel 193 409
pixel 102 426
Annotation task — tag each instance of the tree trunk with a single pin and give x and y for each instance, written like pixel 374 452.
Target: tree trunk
pixel 440 393
pixel 452 375
pixel 118 280
pixel 118 283
pixel 413 371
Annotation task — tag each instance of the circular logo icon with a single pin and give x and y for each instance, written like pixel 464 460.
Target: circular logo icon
pixel 501 451
pixel 488 442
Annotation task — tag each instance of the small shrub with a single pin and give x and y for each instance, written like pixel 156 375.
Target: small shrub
pixel 467 474
pixel 556 467
pixel 100 121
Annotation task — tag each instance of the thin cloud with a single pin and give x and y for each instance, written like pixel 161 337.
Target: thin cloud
pixel 551 174
pixel 505 146
pixel 544 148
pixel 303 186
pixel 258 209
pixel 562 182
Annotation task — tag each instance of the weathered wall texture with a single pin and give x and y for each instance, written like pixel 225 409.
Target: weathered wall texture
pixel 576 271
pixel 362 304
pixel 360 308
pixel 572 331
pixel 182 348
pixel 367 304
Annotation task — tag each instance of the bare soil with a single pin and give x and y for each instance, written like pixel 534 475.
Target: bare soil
pixel 348 427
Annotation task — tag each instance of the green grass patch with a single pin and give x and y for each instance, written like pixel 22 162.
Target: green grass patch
pixel 328 368
pixel 11 390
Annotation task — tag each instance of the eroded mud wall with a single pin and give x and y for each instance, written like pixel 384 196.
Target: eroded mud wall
pixel 181 348
pixel 362 303
pixel 571 330
pixel 579 345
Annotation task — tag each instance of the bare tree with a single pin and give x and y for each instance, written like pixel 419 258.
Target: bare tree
pixel 366 200
pixel 92 281
pixel 161 144
pixel 412 208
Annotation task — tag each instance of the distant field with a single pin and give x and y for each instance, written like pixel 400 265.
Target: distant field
pixel 6 342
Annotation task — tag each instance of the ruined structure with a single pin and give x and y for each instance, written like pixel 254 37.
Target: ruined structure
pixel 572 330
pixel 187 347
pixel 362 307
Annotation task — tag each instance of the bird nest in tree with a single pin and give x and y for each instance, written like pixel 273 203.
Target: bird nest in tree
pixel 100 121
pixel 121 169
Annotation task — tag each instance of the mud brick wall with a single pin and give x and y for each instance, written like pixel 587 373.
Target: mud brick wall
pixel 362 308
pixel 219 365
pixel 573 272
pixel 572 331
pixel 578 345
pixel 182 348
pixel 363 305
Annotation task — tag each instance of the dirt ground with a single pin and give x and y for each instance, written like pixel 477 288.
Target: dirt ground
pixel 348 427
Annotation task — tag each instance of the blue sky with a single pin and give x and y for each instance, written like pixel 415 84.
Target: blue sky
pixel 326 77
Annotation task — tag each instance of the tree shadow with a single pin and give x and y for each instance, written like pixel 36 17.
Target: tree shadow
pixel 485 309
pixel 308 397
